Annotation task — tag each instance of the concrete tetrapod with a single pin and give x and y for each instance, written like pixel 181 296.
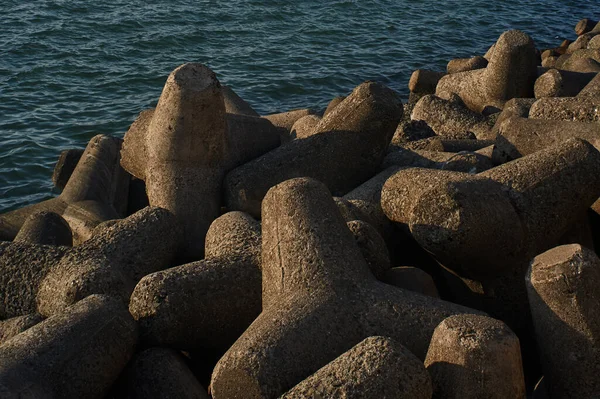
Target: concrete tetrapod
pixel 447 117
pixel 518 137
pixel 481 225
pixel 248 138
pixel 581 109
pixel 473 357
pixel 319 299
pixel 377 367
pixel 209 303
pixel 16 325
pixel 511 73
pixel 186 146
pixel 357 131
pixel 95 192
pixel 160 373
pixel 562 285
pixel 75 354
pixel 45 228
pixel 47 278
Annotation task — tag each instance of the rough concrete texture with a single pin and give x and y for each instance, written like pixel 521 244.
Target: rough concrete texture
pixel 447 145
pixel 372 246
pixel 550 61
pixel 559 83
pixel 474 356
pixel 367 198
pixel 67 161
pixel 345 150
pixel 96 191
pixel 511 73
pixel 234 104
pixel 585 25
pixel 402 189
pixel 187 147
pixel 562 285
pixel 580 109
pixel 412 279
pixel 515 107
pixel 134 154
pixel 488 224
pixel 592 89
pixel 518 137
pixel 206 304
pixel 449 117
pixel 580 61
pixel 304 127
pixel 333 103
pixel 76 354
pixel 45 228
pixel 594 43
pixel 351 212
pixel 160 373
pixel 286 120
pixel 249 137
pixel 466 64
pixel 411 131
pixel 376 367
pixel 319 299
pixel 424 81
pixel 463 161
pixel 16 325
pixel 48 278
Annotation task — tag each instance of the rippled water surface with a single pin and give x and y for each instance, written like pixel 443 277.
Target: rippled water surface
pixel 72 69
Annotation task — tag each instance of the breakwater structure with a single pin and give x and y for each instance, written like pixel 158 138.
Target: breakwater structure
pixel 441 248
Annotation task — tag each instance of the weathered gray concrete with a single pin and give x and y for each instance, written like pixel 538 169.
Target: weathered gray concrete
pixel 160 373
pixel 472 357
pixel 424 81
pixel 466 64
pixel 319 299
pixel 345 150
pixel 285 120
pixel 304 127
pixel 518 137
pixel 562 288
pixel 234 104
pixel 96 191
pixel 47 279
pixel 16 325
pixel 187 147
pixel 578 109
pixel 511 73
pixel 66 164
pixel 205 305
pixel 410 131
pixel 486 224
pixel 559 83
pixel 450 117
pixel 76 354
pixel 447 145
pixel 412 279
pixel 464 161
pixel 377 367
pixel 372 247
pixel 592 89
pixel 45 228
pixel 585 25
pixel 333 103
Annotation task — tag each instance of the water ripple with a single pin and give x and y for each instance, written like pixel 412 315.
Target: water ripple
pixel 70 70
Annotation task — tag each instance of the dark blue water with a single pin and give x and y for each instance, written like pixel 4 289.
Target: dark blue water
pixel 72 69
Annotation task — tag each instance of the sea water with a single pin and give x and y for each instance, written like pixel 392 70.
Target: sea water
pixel 72 69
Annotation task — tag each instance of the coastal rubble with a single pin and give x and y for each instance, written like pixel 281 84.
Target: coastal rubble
pixel 442 248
